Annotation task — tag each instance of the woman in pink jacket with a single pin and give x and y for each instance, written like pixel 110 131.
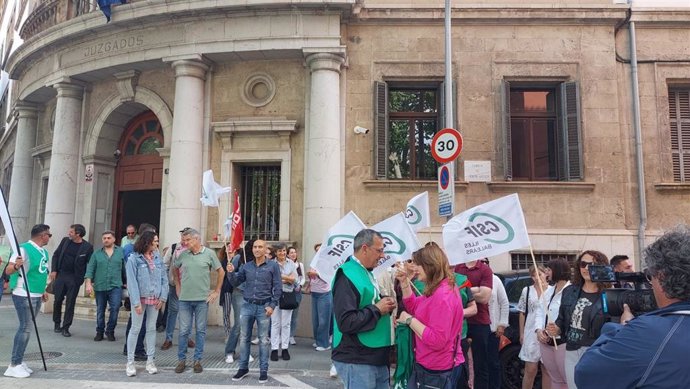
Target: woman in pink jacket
pixel 435 317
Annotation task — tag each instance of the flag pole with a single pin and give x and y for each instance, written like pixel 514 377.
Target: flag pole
pixel 541 288
pixel 24 278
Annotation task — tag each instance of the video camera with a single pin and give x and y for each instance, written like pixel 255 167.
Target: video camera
pixel 640 300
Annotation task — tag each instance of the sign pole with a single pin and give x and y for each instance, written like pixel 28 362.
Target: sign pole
pixel 448 84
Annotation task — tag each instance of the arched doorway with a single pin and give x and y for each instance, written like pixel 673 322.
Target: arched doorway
pixel 139 174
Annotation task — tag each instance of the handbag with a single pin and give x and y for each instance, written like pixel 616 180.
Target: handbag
pixel 288 300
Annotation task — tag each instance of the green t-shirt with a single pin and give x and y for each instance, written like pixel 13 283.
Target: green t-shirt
pixel 195 273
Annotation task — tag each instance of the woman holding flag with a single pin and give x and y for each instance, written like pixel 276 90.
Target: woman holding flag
pixel 438 354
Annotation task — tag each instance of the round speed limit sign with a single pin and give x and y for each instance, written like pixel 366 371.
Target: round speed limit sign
pixel 446 145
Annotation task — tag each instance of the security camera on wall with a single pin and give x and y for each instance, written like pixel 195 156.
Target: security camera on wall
pixel 361 130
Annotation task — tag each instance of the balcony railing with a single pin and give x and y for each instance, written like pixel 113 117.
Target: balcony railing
pixel 51 12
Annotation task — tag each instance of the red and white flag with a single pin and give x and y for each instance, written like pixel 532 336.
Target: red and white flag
pixel 234 230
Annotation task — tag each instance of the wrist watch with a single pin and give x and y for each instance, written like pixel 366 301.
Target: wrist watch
pixel 408 321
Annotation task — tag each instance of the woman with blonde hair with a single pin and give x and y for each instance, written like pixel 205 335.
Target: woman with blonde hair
pixel 438 355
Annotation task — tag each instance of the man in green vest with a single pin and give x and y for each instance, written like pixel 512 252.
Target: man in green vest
pixel 362 325
pixel 34 260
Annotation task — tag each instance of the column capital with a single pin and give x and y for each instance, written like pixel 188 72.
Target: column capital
pixel 26 110
pixel 69 89
pixel 325 61
pixel 189 66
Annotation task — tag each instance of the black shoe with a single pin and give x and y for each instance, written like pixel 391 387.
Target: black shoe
pixel 286 355
pixel 274 355
pixel 65 332
pixel 110 336
pixel 57 328
pixel 263 377
pixel 99 337
pixel 240 374
pixel 160 328
pixel 140 357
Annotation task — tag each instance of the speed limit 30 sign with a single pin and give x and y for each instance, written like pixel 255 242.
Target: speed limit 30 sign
pixel 446 145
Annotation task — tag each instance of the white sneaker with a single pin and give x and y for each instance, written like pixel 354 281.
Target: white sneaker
pixel 229 358
pixel 323 348
pixel 292 340
pixel 16 372
pixel 131 371
pixel 255 341
pixel 151 367
pixel 251 359
pixel 333 373
pixel 27 368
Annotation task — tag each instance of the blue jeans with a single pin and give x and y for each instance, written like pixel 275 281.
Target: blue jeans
pixel 321 312
pixel 113 298
pixel 172 313
pixel 150 338
pixel 295 315
pixel 233 338
pixel 250 313
pixel 356 376
pixel 200 311
pixel 494 362
pixel 480 333
pixel 21 338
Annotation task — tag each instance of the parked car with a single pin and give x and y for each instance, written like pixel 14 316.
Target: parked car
pixel 513 367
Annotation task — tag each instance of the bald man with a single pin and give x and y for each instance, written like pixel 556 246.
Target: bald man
pixel 262 290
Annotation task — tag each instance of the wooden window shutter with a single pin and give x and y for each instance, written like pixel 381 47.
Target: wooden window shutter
pixel 381 129
pixel 571 166
pixel 679 114
pixel 505 124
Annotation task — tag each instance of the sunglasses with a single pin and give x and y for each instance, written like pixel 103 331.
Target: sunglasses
pixel 584 264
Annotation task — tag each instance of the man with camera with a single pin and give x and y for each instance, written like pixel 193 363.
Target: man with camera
pixel 649 351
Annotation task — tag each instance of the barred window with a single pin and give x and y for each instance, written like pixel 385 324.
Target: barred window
pixel 523 260
pixel 260 201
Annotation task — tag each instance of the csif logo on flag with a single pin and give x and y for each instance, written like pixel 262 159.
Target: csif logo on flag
pixel 489 228
pixel 412 215
pixel 339 243
pixel 392 245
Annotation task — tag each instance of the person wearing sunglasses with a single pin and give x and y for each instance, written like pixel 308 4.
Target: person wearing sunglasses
pixel 581 314
pixel 648 351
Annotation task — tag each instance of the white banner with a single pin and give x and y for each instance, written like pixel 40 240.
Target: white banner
pixel 486 230
pixel 211 190
pixel 417 212
pixel 10 239
pixel 337 246
pixel 399 240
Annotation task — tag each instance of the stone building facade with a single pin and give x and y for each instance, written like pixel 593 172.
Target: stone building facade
pixel 117 121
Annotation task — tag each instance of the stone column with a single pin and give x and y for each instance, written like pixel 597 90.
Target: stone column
pixel 183 207
pixel 19 200
pixel 64 160
pixel 323 162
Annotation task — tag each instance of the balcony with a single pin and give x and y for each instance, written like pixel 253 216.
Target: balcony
pixel 51 12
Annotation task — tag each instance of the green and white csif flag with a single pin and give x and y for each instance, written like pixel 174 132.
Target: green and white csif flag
pixel 417 212
pixel 486 230
pixel 337 246
pixel 399 240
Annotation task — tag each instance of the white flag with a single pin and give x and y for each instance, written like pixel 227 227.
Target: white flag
pixel 399 240
pixel 488 229
pixel 337 246
pixel 417 212
pixel 211 190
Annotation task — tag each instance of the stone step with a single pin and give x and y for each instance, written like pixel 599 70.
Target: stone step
pixel 85 308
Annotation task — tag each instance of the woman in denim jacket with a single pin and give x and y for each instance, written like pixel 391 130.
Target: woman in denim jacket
pixel 148 291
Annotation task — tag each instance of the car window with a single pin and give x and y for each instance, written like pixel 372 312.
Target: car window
pixel 515 289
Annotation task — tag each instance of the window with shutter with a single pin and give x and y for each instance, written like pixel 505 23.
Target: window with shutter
pixel 407 116
pixel 541 131
pixel 679 114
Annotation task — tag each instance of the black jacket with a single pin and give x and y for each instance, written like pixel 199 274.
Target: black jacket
pixel 351 321
pixel 83 256
pixel 571 294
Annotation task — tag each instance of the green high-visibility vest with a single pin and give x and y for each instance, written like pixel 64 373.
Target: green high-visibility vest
pixel 361 278
pixel 37 273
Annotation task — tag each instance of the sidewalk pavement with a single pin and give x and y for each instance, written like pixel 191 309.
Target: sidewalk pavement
pixel 90 363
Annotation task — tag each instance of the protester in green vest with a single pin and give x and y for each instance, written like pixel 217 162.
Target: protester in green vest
pixel 362 325
pixel 34 260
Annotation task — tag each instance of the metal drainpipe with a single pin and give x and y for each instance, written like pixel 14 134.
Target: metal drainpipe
pixel 638 143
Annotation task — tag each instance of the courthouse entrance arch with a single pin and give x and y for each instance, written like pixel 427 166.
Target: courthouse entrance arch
pixel 139 174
